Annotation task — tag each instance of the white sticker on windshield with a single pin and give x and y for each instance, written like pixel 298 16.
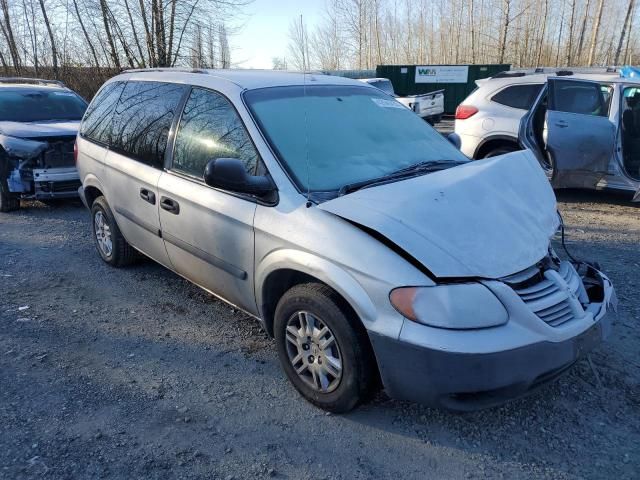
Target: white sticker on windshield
pixel 64 94
pixel 383 102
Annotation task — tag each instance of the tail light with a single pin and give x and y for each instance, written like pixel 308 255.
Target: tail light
pixel 465 111
pixel 75 152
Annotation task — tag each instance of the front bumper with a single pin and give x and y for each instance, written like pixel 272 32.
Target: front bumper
pixel 56 183
pixel 438 375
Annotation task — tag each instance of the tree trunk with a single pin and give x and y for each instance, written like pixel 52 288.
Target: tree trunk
pixel 105 18
pixel 596 31
pixel 142 63
pixel 571 26
pixel 86 35
pixel 172 23
pixel 153 61
pixel 504 32
pixel 625 27
pixel 583 29
pixel 161 42
pixel 33 34
pixel 544 26
pixel 8 34
pixel 557 62
pixel 54 51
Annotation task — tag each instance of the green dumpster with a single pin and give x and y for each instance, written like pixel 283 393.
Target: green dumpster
pixel 457 81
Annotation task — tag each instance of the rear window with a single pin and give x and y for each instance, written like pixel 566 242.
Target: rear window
pixel 143 119
pixel 384 85
pixel 518 96
pixel 96 124
pixel 32 105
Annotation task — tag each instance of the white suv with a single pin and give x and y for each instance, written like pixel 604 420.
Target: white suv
pixel 488 120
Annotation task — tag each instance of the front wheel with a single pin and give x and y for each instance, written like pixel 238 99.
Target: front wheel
pixel 323 349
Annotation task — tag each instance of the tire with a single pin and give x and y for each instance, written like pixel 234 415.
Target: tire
pixel 9 201
pixel 121 253
pixel 501 150
pixel 317 303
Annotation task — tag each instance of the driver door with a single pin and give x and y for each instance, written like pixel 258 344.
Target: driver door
pixel 580 138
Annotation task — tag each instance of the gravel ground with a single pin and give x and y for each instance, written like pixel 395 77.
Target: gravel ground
pixel 135 373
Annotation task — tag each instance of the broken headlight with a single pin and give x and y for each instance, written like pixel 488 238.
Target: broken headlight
pixel 457 306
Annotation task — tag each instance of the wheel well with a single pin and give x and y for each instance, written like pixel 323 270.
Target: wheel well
pixel 91 193
pixel 278 283
pixel 275 286
pixel 494 143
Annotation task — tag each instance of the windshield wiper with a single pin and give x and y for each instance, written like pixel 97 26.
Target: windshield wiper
pixel 406 172
pixel 430 166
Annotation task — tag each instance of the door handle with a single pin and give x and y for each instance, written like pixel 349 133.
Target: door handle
pixel 148 196
pixel 170 205
pixel 562 124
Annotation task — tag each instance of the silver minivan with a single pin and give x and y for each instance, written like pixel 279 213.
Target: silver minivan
pixel 373 251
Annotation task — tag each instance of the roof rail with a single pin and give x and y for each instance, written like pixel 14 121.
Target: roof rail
pixel 164 69
pixel 564 73
pixel 32 81
pixel 508 74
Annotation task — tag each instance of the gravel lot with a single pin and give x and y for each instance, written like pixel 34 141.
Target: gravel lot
pixel 135 373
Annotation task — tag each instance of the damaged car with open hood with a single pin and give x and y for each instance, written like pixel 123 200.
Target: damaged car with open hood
pixel 371 249
pixel 39 122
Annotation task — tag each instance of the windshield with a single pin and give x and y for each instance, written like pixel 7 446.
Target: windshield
pixel 338 135
pixel 40 105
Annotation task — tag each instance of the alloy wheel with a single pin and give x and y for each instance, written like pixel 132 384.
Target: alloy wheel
pixel 103 234
pixel 313 352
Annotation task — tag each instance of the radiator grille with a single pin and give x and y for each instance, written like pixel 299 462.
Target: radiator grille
pixel 558 297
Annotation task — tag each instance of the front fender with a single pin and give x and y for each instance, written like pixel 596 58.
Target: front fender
pixel 327 272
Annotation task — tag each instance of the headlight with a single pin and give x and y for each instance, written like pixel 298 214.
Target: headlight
pixel 456 306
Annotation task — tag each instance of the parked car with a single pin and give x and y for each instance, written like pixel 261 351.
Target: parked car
pixel 488 120
pixel 365 243
pixel 585 132
pixel 429 106
pixel 39 122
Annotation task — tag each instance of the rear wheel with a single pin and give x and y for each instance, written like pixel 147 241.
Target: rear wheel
pixel 111 245
pixel 323 349
pixel 501 150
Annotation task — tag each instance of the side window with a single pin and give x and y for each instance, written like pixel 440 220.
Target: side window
pixel 211 128
pixel 584 98
pixel 96 124
pixel 143 119
pixel 518 96
pixel 607 93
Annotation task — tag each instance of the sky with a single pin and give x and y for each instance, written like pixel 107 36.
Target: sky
pixel 263 34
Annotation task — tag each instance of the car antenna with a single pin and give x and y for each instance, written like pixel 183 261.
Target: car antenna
pixel 304 98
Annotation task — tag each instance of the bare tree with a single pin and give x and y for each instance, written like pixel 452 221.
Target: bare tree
pixel 626 26
pixel 7 31
pixel 298 45
pixel 596 31
pixel 571 27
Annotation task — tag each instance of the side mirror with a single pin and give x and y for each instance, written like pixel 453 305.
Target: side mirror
pixel 230 174
pixel 454 138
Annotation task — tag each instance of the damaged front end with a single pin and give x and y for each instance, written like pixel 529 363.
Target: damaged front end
pixel 42 168
pixel 559 292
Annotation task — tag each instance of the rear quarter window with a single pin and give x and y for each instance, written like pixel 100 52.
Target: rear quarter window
pixel 143 118
pixel 518 96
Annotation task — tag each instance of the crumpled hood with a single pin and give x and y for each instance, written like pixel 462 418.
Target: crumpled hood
pixel 40 129
pixel 488 218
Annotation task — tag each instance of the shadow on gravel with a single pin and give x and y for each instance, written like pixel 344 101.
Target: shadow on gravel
pixel 576 196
